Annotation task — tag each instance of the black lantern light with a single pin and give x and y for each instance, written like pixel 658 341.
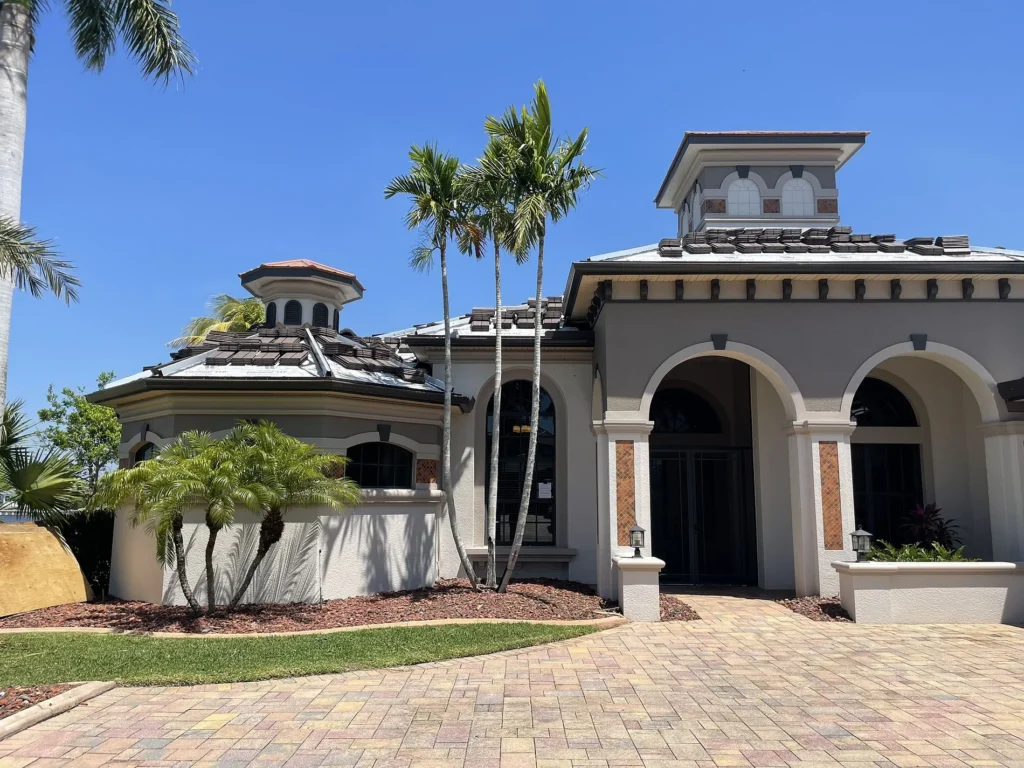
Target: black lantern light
pixel 636 539
pixel 861 543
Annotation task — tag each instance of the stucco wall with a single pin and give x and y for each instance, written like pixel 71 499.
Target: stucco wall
pixel 135 573
pixel 820 344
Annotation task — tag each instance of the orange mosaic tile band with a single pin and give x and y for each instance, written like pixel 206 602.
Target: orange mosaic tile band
pixel 426 470
pixel 625 490
pixel 831 500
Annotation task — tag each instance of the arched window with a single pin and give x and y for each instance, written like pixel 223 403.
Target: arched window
pixel 380 465
pixel 320 315
pixel 879 404
pixel 337 320
pixel 514 434
pixel 797 198
pixel 293 313
pixel 271 315
pixel 744 198
pixel 144 452
pixel 680 411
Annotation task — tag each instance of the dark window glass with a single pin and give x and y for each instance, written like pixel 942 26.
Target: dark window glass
pixel 880 404
pixel 514 435
pixel 680 411
pixel 337 320
pixel 293 313
pixel 271 315
pixel 380 465
pixel 320 315
pixel 886 488
pixel 145 453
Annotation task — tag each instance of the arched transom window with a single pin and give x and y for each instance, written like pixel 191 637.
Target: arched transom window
pixel 797 198
pixel 879 404
pixel 680 411
pixel 380 465
pixel 514 435
pixel 144 452
pixel 744 198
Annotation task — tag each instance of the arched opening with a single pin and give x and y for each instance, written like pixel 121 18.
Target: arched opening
pixel 918 441
pixel 380 465
pixel 320 315
pixel 701 473
pixel 271 315
pixel 514 435
pixel 293 313
pixel 797 198
pixel 744 198
pixel 144 452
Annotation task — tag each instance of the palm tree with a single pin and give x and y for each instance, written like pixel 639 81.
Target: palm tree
pixel 492 188
pixel 439 211
pixel 551 175
pixel 41 484
pixel 149 31
pixel 227 314
pixel 284 473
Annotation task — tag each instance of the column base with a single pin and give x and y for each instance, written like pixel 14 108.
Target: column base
pixel 639 590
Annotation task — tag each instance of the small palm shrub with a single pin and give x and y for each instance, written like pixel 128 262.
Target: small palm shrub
pixel 884 552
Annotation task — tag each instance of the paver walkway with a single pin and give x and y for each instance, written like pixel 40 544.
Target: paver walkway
pixel 752 684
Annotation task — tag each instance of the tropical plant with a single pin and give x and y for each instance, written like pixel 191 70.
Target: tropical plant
pixel 38 482
pixel 884 552
pixel 149 31
pixel 227 314
pixel 88 433
pixel 925 525
pixel 492 189
pixel 440 212
pixel 284 473
pixel 550 175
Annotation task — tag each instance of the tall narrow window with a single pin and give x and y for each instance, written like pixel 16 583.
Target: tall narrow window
pixel 744 198
pixel 293 313
pixel 320 315
pixel 514 437
pixel 271 315
pixel 797 198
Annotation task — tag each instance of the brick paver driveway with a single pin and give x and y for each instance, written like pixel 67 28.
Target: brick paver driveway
pixel 752 684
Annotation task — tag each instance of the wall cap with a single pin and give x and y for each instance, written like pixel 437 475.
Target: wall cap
pixel 876 568
pixel 639 563
pixel 401 496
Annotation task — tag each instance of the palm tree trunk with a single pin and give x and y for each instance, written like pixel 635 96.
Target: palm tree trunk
pixel 211 542
pixel 271 529
pixel 179 560
pixel 15 46
pixel 446 433
pixel 492 491
pixel 531 451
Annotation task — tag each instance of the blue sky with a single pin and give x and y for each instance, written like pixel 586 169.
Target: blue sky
pixel 282 143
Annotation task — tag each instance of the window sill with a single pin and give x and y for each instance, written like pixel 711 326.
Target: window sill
pixel 527 554
pixel 401 496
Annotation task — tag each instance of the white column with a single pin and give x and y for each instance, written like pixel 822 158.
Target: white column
pixel 819 536
pixel 1004 465
pixel 619 427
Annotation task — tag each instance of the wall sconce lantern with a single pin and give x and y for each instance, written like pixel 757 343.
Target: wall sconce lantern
pixel 636 539
pixel 861 543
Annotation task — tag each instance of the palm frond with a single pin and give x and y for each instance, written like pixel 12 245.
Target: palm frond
pixel 150 31
pixel 93 30
pixel 34 265
pixel 227 314
pixel 42 484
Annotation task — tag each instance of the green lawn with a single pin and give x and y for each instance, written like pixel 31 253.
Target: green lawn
pixel 40 658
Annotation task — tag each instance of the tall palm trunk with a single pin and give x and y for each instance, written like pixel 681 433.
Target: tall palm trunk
pixel 211 542
pixel 531 451
pixel 15 46
pixel 446 431
pixel 271 530
pixel 179 561
pixel 492 491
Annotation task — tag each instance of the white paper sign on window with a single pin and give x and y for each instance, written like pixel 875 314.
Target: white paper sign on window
pixel 543 490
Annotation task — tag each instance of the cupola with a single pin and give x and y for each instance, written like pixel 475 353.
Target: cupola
pixel 757 179
pixel 302 292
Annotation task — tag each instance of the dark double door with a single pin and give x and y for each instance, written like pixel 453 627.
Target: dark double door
pixel 702 516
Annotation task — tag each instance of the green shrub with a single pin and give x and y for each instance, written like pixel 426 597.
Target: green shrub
pixel 884 552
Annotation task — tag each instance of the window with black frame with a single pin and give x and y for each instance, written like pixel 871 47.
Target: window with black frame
pixel 380 465
pixel 514 436
pixel 144 452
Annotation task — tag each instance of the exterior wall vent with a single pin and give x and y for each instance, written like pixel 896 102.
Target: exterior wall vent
pixel 271 315
pixel 293 313
pixel 320 315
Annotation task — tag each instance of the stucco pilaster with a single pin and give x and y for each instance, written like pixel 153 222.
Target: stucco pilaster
pixel 1004 462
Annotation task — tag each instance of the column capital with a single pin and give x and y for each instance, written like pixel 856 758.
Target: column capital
pixel 1002 428
pixel 626 425
pixel 825 426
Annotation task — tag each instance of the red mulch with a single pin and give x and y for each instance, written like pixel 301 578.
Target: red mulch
pixel 817 608
pixel 544 599
pixel 15 699
pixel 673 609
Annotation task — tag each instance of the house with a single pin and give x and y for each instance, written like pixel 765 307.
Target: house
pixel 748 391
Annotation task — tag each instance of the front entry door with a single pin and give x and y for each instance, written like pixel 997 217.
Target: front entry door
pixel 699 515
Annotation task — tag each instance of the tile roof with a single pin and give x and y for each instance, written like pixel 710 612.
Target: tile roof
pixel 309 264
pixel 517 320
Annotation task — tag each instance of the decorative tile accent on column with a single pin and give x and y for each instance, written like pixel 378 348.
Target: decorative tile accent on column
pixel 426 470
pixel 625 490
pixel 827 205
pixel 831 501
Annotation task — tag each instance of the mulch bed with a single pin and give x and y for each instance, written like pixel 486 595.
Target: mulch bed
pixel 676 610
pixel 817 608
pixel 544 599
pixel 15 699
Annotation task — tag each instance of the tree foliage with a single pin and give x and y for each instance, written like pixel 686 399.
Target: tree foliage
pixel 226 314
